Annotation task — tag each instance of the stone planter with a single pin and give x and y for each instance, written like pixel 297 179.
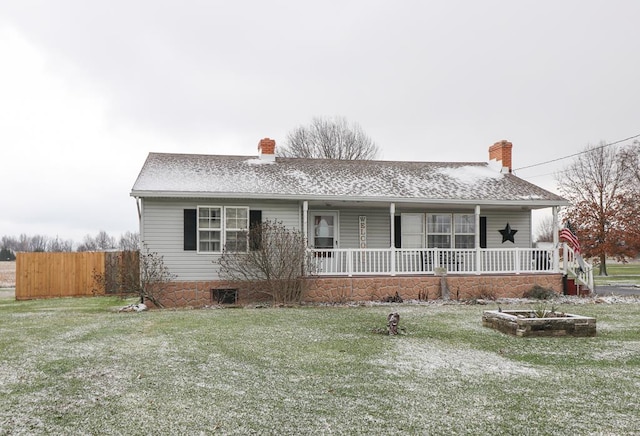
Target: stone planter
pixel 524 323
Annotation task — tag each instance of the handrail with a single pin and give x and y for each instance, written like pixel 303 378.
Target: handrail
pixel 578 268
pixel 398 261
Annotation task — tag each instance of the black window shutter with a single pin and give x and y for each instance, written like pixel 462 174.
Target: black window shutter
pixel 255 219
pixel 190 229
pixel 483 232
pixel 397 231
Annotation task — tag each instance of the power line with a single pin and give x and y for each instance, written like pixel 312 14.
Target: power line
pixel 579 153
pixel 539 175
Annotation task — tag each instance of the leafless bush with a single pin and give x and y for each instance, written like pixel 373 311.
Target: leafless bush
pixel 142 273
pixel 277 263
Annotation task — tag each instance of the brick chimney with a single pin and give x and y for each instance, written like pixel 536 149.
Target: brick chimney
pixel 501 152
pixel 267 149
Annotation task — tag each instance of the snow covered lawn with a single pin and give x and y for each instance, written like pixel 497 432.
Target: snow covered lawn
pixel 77 366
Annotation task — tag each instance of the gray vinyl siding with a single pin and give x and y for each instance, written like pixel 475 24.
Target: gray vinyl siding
pixel 163 232
pixel 520 221
pixel 162 229
pixel 378 228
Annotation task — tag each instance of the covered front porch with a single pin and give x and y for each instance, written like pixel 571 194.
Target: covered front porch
pixel 398 261
pixel 449 239
pixel 350 262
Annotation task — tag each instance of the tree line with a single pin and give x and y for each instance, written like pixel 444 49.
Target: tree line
pixel 102 241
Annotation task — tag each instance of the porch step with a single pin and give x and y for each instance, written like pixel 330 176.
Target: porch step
pixel 572 287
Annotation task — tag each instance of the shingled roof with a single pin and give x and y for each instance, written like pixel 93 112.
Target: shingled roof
pixel 210 176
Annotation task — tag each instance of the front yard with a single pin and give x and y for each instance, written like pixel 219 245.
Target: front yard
pixel 76 366
pixel 619 274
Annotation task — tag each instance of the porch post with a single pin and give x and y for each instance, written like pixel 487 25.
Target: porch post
pixel 556 240
pixel 392 249
pixel 305 221
pixel 477 239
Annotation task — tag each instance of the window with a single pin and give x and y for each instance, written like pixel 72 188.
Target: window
pixel 412 230
pixel 464 230
pixel 445 229
pixel 236 222
pixel 213 235
pixel 324 230
pixel 209 229
pixel 439 230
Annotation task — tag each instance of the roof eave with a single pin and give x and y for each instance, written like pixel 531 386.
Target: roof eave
pixel 533 203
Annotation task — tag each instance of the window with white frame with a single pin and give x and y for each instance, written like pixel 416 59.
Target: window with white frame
pixel 445 230
pixel 439 230
pixel 464 230
pixel 220 227
pixel 412 230
pixel 236 234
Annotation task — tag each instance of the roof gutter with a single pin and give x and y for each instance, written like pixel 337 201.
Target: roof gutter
pixel 539 203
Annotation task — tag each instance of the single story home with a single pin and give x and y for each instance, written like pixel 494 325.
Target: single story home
pixel 376 227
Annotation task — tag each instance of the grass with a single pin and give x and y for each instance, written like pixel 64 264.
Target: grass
pixel 76 366
pixel 619 273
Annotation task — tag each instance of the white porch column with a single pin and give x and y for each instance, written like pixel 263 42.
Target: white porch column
pixel 305 221
pixel 556 240
pixel 477 239
pixel 392 212
pixel 392 249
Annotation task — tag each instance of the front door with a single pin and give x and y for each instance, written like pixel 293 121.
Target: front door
pixel 323 231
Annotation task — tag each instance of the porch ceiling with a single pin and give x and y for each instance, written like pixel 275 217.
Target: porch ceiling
pixel 445 205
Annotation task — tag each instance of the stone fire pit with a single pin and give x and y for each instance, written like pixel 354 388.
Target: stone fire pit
pixel 526 323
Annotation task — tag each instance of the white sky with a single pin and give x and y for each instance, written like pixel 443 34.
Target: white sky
pixel 87 89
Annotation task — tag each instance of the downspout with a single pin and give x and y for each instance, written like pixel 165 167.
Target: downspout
pixel 141 239
pixel 139 207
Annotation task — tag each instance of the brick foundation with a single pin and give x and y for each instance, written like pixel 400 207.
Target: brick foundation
pixel 343 289
pixel 428 287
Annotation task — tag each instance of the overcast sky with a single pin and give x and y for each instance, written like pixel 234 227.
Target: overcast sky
pixel 89 88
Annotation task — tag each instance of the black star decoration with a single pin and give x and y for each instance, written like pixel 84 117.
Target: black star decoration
pixel 508 233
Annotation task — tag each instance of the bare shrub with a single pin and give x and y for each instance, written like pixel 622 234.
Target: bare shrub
pixel 277 264
pixel 141 273
pixel 540 293
pixel 121 273
pixel 483 293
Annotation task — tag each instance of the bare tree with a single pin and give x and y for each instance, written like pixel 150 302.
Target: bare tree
pixel 276 265
pixel 596 184
pixel 104 241
pixel 544 232
pixel 88 244
pixel 330 138
pixel 10 243
pixel 23 243
pixel 59 245
pixel 630 220
pixel 129 241
pixel 38 243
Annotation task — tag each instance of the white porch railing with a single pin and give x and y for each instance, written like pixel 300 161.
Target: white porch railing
pixel 354 261
pixel 580 270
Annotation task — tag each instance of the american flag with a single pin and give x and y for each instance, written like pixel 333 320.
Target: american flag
pixel 568 235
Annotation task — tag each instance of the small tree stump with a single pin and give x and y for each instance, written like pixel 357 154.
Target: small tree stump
pixel 392 322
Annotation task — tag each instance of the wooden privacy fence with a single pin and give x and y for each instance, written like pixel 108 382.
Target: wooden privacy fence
pixel 50 275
